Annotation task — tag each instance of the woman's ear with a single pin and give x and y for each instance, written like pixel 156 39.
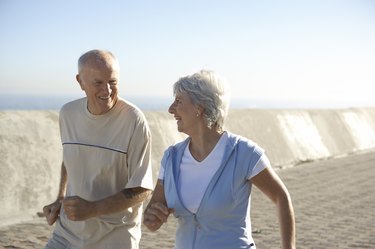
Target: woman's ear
pixel 200 110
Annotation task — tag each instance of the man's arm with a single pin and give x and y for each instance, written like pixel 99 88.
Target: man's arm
pixel 51 211
pixel 77 208
pixel 63 181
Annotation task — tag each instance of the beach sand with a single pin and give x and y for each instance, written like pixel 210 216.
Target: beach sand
pixel 334 205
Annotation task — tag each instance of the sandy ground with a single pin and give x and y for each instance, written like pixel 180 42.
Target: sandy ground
pixel 334 203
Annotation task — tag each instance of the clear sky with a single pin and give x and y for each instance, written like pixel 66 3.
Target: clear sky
pixel 318 51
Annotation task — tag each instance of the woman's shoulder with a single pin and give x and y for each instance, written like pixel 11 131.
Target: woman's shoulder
pixel 247 150
pixel 244 143
pixel 179 145
pixel 239 139
pixel 174 150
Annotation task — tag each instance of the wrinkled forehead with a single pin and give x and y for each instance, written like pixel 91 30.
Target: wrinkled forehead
pixel 102 63
pixel 98 61
pixel 100 71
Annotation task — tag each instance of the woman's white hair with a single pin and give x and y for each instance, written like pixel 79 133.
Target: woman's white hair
pixel 209 91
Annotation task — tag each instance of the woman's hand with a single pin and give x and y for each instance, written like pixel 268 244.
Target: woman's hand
pixel 156 215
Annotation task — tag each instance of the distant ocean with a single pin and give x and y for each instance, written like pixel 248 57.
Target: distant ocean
pixel 55 102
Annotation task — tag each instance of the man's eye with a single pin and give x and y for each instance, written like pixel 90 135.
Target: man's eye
pixel 113 83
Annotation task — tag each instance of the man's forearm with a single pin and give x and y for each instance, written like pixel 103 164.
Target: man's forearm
pixel 121 201
pixel 136 194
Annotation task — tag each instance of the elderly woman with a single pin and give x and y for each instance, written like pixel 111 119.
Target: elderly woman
pixel 206 180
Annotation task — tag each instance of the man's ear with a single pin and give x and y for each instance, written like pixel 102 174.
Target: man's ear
pixel 79 80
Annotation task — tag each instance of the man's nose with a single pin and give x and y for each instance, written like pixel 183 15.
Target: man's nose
pixel 107 88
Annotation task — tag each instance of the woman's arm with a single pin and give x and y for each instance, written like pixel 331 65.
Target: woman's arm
pixel 272 186
pixel 157 211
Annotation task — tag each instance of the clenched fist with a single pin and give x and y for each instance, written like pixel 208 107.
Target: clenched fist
pixel 52 211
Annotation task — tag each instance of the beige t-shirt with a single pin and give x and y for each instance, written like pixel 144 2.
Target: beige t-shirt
pixel 104 154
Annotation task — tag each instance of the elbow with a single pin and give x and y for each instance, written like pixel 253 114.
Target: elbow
pixel 145 195
pixel 284 201
pixel 148 194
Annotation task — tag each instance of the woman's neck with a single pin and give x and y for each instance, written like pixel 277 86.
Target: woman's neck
pixel 203 143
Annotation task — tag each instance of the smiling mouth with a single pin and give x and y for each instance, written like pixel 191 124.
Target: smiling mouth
pixel 105 98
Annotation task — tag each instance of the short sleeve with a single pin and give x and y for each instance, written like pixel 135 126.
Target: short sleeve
pixel 139 157
pixel 161 172
pixel 259 166
pixel 162 165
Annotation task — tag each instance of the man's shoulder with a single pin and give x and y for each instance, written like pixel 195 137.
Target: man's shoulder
pixel 129 108
pixel 72 105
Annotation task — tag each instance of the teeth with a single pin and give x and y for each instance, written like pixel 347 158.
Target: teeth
pixel 104 98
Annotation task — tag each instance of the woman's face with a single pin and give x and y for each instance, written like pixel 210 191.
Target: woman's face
pixel 185 112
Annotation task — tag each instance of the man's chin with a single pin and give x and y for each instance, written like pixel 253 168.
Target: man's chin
pixel 107 104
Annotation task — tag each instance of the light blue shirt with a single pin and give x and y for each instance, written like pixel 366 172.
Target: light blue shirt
pixel 223 217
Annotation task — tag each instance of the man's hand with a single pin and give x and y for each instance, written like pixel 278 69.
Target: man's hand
pixel 78 209
pixel 51 211
pixel 155 215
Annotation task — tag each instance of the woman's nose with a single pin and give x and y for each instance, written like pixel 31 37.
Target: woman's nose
pixel 171 108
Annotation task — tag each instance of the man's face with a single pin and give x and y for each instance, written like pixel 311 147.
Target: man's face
pixel 100 83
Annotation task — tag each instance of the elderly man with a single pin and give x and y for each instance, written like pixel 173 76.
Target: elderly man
pixel 106 171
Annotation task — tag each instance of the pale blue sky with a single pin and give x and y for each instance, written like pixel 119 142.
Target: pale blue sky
pixel 320 51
